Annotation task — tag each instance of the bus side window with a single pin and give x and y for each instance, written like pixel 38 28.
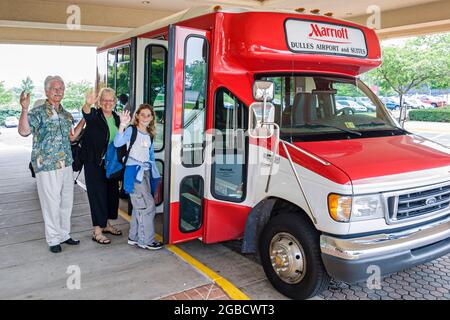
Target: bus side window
pixel 111 78
pixel 155 87
pixel 229 148
pixel 123 78
pixel 118 75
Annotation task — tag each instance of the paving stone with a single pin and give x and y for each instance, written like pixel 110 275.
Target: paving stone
pixel 443 290
pixel 447 286
pixel 390 280
pixel 401 291
pixel 409 279
pixel 361 294
pixel 422 282
pixel 428 287
pixel 409 288
pixel 395 295
pixel 340 296
pixel 388 289
pixel 397 277
pixel 416 276
pixel 436 284
pixel 326 294
pixel 396 286
pixel 416 295
pixel 423 291
pixel 428 279
pixel 381 293
pixel 416 285
pixel 437 294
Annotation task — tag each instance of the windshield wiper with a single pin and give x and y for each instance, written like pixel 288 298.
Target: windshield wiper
pixel 330 126
pixel 374 124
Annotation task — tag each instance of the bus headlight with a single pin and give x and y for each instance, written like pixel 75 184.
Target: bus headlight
pixel 356 208
pixel 367 207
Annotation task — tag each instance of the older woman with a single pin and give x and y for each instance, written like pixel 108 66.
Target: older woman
pixel 101 126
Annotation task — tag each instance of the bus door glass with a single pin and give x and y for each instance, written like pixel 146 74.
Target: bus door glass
pixel 151 82
pixel 185 134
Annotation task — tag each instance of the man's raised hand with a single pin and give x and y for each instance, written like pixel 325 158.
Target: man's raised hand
pixel 25 100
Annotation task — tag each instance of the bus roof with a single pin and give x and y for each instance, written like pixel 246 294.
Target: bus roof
pixel 186 15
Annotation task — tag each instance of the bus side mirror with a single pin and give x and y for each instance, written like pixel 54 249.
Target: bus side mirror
pixel 261 120
pixel 263 90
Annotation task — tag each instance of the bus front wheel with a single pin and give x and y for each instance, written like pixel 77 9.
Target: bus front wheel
pixel 291 257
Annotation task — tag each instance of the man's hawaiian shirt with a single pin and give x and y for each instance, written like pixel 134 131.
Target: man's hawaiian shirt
pixel 51 143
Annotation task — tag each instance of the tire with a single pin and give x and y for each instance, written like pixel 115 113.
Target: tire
pixel 434 105
pixel 295 236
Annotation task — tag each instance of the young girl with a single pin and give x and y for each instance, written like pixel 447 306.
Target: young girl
pixel 140 171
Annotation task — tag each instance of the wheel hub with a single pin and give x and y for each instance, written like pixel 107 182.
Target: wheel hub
pixel 287 257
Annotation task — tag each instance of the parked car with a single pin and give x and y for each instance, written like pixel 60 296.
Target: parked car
pixel 350 104
pixel 365 101
pixel 415 103
pixel 390 103
pixel 11 122
pixel 434 101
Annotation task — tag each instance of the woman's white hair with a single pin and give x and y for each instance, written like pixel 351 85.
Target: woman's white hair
pixel 49 80
pixel 106 90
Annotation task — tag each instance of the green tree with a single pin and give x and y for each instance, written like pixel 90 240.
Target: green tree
pixel 74 94
pixel 195 75
pixel 157 80
pixel 27 85
pixel 439 45
pixel 418 61
pixel 6 96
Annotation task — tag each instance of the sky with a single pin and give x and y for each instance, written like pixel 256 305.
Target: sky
pixel 73 64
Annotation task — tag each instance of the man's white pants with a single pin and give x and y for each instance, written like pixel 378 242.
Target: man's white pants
pixel 55 189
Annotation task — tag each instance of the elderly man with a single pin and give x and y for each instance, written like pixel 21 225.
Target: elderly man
pixel 51 158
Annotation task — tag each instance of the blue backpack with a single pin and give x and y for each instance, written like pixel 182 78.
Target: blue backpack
pixel 116 158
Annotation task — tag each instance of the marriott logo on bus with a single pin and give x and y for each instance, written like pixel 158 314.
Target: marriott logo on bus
pixel 338 33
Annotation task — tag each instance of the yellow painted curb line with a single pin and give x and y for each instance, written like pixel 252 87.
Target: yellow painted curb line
pixel 232 291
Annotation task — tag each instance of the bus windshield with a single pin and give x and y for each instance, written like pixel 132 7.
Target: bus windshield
pixel 311 108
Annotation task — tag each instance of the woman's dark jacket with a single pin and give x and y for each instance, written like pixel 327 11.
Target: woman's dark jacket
pixel 96 136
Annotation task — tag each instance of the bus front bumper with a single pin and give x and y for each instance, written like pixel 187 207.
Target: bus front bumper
pixel 356 259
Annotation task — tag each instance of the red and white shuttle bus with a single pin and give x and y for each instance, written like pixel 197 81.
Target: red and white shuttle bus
pixel 253 145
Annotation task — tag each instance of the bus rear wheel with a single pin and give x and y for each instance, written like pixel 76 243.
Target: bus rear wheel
pixel 291 257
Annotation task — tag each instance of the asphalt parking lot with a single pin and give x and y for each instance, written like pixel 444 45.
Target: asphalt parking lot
pixel 165 273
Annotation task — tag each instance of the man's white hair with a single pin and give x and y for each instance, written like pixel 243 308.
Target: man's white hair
pixel 49 80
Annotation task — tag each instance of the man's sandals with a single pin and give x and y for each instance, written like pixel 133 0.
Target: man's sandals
pixel 100 238
pixel 112 230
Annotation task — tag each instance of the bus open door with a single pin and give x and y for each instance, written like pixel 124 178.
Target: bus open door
pixel 185 168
